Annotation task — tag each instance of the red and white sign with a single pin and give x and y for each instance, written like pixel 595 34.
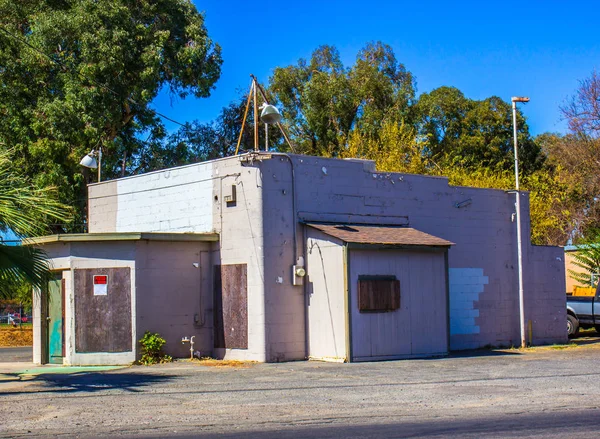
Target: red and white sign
pixel 100 285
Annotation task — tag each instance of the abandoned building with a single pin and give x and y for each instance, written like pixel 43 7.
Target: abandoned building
pixel 276 257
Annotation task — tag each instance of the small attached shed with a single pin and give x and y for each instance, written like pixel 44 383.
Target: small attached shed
pixel 376 292
pixel 109 288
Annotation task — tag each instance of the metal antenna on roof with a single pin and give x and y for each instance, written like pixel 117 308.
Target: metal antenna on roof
pixel 269 115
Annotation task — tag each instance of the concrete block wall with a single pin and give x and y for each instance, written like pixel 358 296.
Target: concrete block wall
pixel 174 294
pixel 192 199
pixel 285 312
pixel 258 230
pixel 173 200
pixel 480 221
pixel 546 309
pixel 241 230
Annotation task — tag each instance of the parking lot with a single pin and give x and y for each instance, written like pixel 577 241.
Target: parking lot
pixel 542 392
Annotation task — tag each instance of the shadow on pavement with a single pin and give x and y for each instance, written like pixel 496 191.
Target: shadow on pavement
pixel 94 382
pixel 484 353
pixel 581 424
pixel 586 337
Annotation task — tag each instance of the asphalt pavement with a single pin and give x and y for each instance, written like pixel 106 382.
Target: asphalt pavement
pixel 534 393
pixel 12 355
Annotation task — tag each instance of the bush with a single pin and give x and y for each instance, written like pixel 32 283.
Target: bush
pixel 152 344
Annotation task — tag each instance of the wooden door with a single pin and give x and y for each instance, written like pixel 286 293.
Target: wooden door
pixel 55 319
pixel 412 322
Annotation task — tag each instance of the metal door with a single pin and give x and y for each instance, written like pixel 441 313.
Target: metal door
pixel 55 319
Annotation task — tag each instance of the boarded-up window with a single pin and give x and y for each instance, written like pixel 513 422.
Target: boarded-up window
pixel 103 321
pixel 378 293
pixel 231 306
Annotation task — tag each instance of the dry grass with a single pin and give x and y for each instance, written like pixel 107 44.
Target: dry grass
pixel 15 337
pixel 211 362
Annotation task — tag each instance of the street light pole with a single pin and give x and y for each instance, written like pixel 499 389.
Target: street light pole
pixel 99 164
pixel 514 101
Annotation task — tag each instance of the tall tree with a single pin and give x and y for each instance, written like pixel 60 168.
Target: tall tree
pixel 383 87
pixel 441 113
pixel 76 75
pixel 582 110
pixel 475 133
pixel 578 154
pixel 322 100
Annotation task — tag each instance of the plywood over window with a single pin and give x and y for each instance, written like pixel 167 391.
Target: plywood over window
pixel 103 321
pixel 378 293
pixel 231 306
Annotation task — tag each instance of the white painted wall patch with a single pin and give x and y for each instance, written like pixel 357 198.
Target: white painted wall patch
pixel 466 284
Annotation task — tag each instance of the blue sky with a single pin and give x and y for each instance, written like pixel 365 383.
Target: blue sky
pixel 538 49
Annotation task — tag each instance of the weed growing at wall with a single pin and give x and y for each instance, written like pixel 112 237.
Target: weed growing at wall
pixel 152 344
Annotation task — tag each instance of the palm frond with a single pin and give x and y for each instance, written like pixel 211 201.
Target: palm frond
pixel 23 264
pixel 25 209
pixel 587 259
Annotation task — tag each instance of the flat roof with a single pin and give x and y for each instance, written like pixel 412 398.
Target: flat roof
pixel 385 235
pixel 126 236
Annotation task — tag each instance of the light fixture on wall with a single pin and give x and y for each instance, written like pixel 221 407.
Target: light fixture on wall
pixel 89 161
pixel 514 101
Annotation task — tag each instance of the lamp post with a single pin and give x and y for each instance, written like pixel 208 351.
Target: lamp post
pixel 90 162
pixel 514 101
pixel 269 114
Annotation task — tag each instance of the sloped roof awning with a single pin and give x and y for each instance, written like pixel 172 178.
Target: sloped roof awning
pixel 381 235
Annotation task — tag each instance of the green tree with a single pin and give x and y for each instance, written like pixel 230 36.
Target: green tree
pixel 76 75
pixel 440 116
pixel 383 87
pixel 26 211
pixel 475 133
pixel 316 100
pixel 323 101
pixel 397 148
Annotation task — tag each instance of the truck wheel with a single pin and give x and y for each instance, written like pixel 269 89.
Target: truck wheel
pixel 572 326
